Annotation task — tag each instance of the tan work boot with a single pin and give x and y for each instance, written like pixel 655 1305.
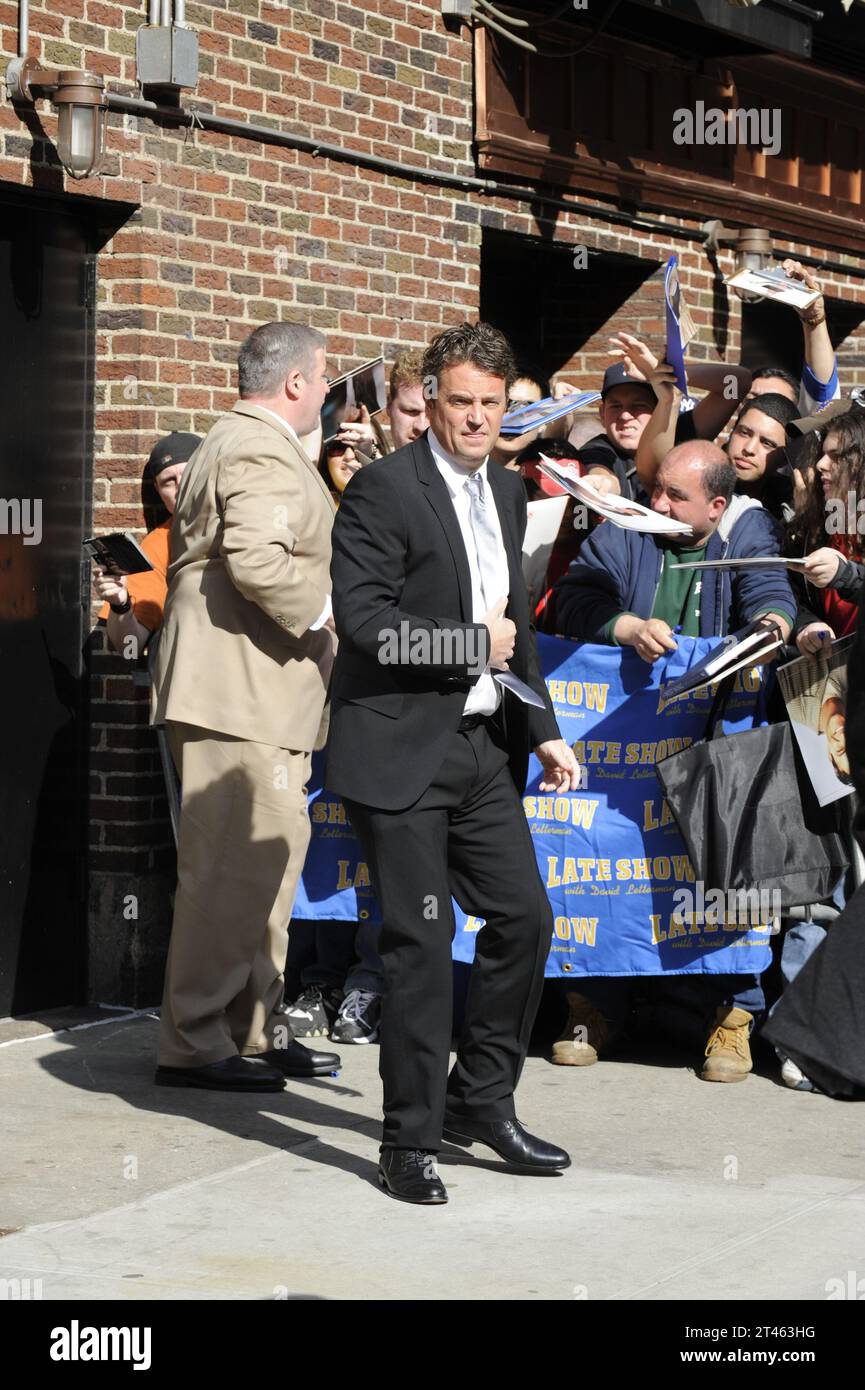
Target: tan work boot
pixel 584 1035
pixel 728 1052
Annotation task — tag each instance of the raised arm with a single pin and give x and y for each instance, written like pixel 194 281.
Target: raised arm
pixel 819 353
pixel 659 436
pixel 727 387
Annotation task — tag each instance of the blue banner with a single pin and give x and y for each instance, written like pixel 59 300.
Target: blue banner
pixel 615 869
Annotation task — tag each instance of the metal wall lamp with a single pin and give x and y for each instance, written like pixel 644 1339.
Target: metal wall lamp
pixel 752 245
pixel 77 96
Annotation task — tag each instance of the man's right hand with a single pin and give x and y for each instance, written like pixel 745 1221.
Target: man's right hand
pixel 603 481
pixel 502 635
pixel 109 587
pixel 650 637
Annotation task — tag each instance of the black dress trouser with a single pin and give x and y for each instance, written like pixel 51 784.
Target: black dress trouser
pixel 465 837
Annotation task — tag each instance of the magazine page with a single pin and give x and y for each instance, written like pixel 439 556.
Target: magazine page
pixel 746 647
pixel 632 516
pixel 774 284
pixel 680 328
pixel 745 562
pixel 364 386
pixel 544 517
pixel 815 693
pixel 539 413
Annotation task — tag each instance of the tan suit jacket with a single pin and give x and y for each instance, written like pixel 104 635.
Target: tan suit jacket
pixel 250 570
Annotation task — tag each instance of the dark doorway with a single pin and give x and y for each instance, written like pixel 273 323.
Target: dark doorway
pixel 549 305
pixel 47 305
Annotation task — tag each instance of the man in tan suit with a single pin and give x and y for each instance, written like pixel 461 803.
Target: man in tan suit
pixel 240 682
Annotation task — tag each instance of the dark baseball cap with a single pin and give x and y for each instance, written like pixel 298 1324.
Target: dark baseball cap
pixel 617 376
pixel 823 417
pixel 172 448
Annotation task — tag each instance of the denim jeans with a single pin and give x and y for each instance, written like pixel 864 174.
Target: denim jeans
pixel 801 939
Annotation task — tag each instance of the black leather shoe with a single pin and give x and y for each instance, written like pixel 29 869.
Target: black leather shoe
pixel 234 1074
pixel 509 1140
pixel 411 1176
pixel 296 1060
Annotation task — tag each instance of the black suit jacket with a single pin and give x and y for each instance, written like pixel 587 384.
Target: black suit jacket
pixel 399 558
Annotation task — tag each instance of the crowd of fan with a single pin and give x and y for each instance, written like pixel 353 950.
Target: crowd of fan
pixel 751 462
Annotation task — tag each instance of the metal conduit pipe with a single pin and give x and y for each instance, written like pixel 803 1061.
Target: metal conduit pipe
pixel 248 130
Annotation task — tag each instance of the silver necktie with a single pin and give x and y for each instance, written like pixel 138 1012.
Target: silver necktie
pixel 486 540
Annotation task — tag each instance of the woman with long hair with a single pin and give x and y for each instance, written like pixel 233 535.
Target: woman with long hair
pixel 827 529
pixel 337 465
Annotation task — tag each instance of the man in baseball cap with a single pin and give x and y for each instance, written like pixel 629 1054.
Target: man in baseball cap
pixel 626 407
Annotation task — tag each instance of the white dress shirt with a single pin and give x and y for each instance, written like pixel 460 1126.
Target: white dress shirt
pixel 278 418
pixel 328 607
pixel 485 694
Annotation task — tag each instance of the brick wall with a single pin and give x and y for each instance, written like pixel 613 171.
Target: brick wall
pixel 228 233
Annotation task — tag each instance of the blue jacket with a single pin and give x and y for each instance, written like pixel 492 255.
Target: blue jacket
pixel 618 571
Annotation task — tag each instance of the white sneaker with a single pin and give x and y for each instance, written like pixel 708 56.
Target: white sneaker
pixel 794 1077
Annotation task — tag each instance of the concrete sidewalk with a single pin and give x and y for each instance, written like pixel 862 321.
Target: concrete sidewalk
pixel 114 1188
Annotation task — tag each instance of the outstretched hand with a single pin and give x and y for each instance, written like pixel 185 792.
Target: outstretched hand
pixel 562 772
pixel 637 359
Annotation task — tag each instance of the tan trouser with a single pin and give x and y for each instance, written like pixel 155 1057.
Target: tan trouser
pixel 244 833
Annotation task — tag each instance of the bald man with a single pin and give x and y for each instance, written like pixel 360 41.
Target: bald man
pixel 623 589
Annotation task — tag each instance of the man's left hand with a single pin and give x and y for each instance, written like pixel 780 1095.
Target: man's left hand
pixel 562 772
pixel 637 359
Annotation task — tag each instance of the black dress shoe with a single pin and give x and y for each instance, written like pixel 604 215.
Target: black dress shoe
pixel 508 1139
pixel 293 1059
pixel 411 1176
pixel 234 1074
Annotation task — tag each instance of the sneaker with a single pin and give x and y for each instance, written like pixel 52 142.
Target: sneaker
pixel 794 1077
pixel 728 1051
pixel 313 1012
pixel 585 1034
pixel 358 1018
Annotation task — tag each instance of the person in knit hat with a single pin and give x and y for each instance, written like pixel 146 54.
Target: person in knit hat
pixel 134 603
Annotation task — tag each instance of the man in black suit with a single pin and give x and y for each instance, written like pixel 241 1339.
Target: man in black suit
pixel 429 753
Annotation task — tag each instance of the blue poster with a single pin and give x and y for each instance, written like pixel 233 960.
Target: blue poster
pixel 672 313
pixel 615 869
